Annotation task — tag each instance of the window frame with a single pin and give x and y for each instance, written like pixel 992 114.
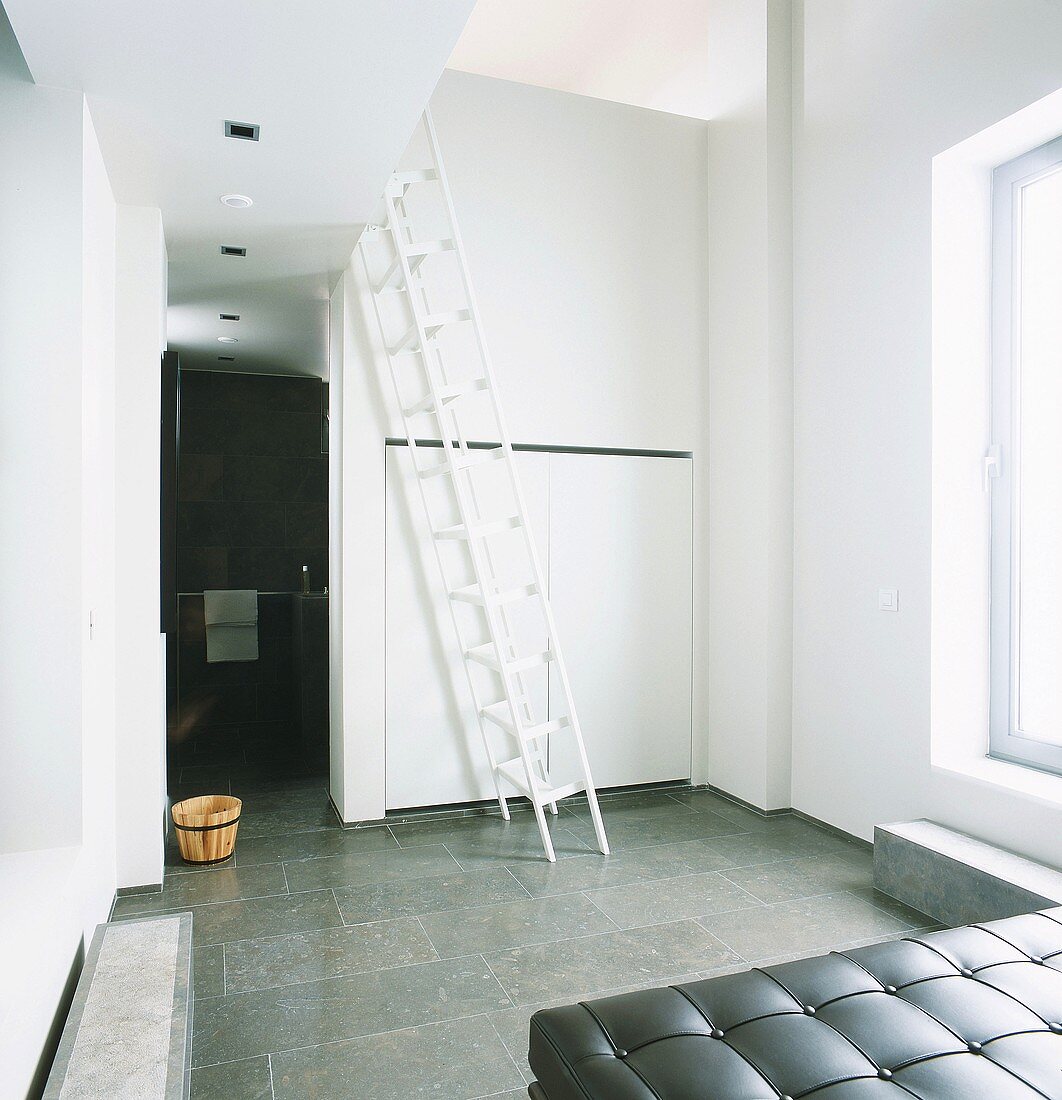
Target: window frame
pixel 1006 741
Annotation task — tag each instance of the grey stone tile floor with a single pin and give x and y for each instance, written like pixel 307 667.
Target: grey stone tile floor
pixel 398 961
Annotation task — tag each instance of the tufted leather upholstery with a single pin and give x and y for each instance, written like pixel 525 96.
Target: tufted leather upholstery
pixel 970 1012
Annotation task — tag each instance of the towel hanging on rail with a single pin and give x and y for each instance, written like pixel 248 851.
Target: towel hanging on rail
pixel 231 618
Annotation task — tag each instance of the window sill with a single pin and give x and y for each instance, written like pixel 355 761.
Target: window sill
pixel 1000 773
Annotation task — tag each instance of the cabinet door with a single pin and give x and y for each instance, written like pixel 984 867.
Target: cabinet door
pixel 621 586
pixel 434 749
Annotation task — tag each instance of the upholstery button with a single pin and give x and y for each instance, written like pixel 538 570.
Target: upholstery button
pixel 809 1010
pixel 890 989
pixel 966 973
pixel 974 1048
pixel 620 1053
pixel 1036 959
pixel 716 1033
pixel 1056 1027
pixel 885 1074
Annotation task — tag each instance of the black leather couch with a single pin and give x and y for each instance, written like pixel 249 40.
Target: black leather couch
pixel 970 1012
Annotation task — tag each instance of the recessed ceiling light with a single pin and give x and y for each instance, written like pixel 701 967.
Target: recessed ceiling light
pixel 227 340
pixel 226 358
pixel 233 250
pixel 248 131
pixel 237 202
pixel 228 316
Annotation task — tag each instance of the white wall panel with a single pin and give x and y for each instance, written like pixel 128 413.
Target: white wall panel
pixel 621 584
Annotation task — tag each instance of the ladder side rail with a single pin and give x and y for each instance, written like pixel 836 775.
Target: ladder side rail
pixel 412 445
pixel 396 223
pixel 562 672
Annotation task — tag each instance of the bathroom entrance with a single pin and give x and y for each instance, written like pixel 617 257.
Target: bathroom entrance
pixel 247 670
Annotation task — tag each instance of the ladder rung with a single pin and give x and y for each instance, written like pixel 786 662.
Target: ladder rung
pixel 513 771
pixel 445 396
pixel 498 713
pixel 487 656
pixel 479 530
pixel 433 323
pixel 474 594
pixel 401 180
pixel 415 254
pixel 468 461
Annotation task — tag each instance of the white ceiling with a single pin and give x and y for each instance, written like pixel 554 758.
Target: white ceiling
pixel 647 54
pixel 336 86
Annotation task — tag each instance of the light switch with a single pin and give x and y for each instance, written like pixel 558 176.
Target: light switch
pixel 888 599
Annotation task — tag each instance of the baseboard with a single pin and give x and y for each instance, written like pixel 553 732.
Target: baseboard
pixel 147 888
pixel 747 805
pixel 867 845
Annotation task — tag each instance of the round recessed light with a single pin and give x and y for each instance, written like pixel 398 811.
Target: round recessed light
pixel 227 340
pixel 237 202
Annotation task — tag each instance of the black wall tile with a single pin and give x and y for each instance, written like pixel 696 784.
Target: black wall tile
pixel 199 477
pixel 307 525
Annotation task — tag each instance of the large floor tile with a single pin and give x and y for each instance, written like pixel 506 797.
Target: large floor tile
pixel 208 971
pixel 246 1080
pixel 607 960
pixel 810 925
pixel 356 868
pixel 284 847
pixel 640 805
pixel 328 953
pixel 773 844
pixel 227 884
pixel 265 814
pixel 414 897
pixel 670 899
pixel 804 877
pixel 456 1060
pixel 279 915
pixel 514 924
pixel 244 1025
pixel 626 832
pixel 594 871
pixel 489 840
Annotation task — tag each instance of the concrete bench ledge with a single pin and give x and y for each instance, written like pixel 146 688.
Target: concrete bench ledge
pixel 128 1035
pixel 957 879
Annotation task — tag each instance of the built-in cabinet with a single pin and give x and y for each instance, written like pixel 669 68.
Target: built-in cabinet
pixel 615 537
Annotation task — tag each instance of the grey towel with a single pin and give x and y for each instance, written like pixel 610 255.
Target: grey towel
pixel 231 625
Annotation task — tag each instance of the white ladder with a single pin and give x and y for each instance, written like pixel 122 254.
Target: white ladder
pixel 418 371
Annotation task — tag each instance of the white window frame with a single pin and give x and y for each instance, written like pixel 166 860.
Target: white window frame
pixel 1006 740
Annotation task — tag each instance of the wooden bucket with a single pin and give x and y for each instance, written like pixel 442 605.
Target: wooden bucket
pixel 206 827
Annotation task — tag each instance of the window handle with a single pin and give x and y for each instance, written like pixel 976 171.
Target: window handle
pixel 992 465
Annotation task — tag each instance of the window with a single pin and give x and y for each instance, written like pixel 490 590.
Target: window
pixel 1025 463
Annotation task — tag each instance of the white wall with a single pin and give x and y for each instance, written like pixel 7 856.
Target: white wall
pixel 886 87
pixel 141 339
pixel 585 224
pixel 750 406
pixel 57 784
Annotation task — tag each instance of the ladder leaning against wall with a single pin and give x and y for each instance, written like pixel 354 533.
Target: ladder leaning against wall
pixel 444 384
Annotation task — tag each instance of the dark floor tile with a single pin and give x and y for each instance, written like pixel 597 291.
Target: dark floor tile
pixel 810 925
pixel 609 959
pixel 625 831
pixel 225 884
pixel 642 805
pixel 670 899
pixel 284 847
pixel 279 915
pixel 208 972
pixel 457 1060
pixel 356 868
pixel 490 836
pixel 415 897
pixel 329 953
pixel 804 877
pixel 243 1025
pixel 249 1079
pixel 514 924
pixel 594 871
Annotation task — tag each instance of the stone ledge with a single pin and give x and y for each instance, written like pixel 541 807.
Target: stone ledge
pixel 957 879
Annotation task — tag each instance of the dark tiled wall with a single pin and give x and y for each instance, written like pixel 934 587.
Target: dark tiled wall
pixel 252 493
pixel 252 483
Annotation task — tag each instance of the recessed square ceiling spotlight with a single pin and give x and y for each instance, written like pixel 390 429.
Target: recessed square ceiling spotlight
pixel 226 358
pixel 237 202
pixel 247 131
pixel 228 316
pixel 227 340
pixel 233 250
